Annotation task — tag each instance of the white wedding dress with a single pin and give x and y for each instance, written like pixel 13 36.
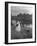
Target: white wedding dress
pixel 18 28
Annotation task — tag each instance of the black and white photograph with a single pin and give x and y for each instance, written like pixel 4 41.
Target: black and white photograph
pixel 21 22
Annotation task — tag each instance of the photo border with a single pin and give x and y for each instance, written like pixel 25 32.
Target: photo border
pixel 6 22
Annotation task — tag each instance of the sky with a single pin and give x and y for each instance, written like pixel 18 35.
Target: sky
pixel 20 9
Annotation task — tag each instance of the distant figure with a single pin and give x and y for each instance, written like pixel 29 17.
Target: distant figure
pixel 14 22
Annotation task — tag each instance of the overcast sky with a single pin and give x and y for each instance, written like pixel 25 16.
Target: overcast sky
pixel 20 9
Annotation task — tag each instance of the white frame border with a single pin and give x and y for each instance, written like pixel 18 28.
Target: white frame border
pixel 9 24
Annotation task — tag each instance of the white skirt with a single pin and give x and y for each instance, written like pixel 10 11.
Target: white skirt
pixel 18 28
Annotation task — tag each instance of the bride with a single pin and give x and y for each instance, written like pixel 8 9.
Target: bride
pixel 18 27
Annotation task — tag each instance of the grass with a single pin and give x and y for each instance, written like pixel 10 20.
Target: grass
pixel 25 33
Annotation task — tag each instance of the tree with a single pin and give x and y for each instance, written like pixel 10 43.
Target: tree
pixel 24 18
